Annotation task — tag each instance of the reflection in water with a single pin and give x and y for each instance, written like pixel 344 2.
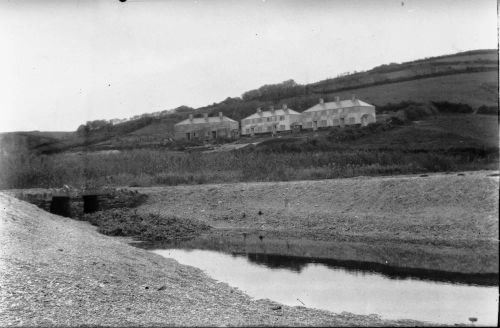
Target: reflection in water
pixel 329 287
pixel 298 263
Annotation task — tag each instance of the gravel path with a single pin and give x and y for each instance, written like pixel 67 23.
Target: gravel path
pixel 58 271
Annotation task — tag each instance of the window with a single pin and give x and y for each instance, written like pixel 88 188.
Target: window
pixel 269 119
pixel 259 120
pixel 335 121
pixel 324 112
pixel 275 118
pixel 282 127
pixel 259 129
pixel 247 130
pixel 351 120
pixel 282 118
pixel 322 123
pixel 269 128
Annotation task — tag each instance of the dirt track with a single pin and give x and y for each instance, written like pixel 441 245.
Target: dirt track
pixel 58 271
pixel 442 221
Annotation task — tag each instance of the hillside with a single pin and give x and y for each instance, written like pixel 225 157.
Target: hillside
pixel 33 140
pixel 474 89
pixel 438 143
pixel 469 78
pixel 465 62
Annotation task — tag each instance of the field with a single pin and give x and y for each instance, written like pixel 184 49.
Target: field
pixel 475 89
pixel 438 144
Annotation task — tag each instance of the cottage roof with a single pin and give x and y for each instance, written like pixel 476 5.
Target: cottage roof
pixel 338 104
pixel 201 120
pixel 268 113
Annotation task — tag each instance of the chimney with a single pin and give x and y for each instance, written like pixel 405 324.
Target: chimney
pixel 337 98
pixel 221 116
pixel 285 107
pixel 272 110
pixel 191 118
pixel 259 111
pixel 205 116
pixel 353 98
pixel 321 101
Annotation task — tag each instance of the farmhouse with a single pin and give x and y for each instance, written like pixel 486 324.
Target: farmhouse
pixel 272 121
pixel 338 113
pixel 206 128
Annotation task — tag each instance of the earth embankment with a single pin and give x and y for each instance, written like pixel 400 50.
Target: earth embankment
pixel 58 271
pixel 445 222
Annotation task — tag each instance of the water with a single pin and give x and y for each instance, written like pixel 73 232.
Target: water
pixel 337 289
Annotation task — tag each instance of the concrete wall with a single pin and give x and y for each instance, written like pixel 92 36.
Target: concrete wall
pixel 206 131
pixel 275 124
pixel 362 115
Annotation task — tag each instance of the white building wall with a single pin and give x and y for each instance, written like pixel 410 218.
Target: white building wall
pixel 265 124
pixel 338 117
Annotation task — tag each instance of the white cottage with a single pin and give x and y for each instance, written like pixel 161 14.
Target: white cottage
pixel 271 121
pixel 338 113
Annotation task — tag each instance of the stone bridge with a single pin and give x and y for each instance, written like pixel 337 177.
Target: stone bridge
pixel 73 202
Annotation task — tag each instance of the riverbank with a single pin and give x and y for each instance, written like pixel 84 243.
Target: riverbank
pixel 59 271
pixel 446 222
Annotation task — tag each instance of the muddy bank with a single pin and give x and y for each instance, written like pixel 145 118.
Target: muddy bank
pixel 145 227
pixel 58 271
pixel 440 222
pixel 391 260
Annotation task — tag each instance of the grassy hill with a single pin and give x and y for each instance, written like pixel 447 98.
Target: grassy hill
pixel 436 143
pixel 31 140
pixel 465 62
pixel 474 89
pixel 469 78
pixel 436 133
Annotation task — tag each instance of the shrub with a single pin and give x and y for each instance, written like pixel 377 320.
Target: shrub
pixel 449 107
pixel 147 227
pixel 488 110
pixel 390 107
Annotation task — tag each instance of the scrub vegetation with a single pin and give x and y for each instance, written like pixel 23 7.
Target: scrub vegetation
pixel 146 227
pixel 437 143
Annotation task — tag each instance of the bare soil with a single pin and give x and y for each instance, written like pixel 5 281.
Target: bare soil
pixel 59 271
pixel 443 222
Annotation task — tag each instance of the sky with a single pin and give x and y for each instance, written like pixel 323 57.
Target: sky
pixel 65 62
